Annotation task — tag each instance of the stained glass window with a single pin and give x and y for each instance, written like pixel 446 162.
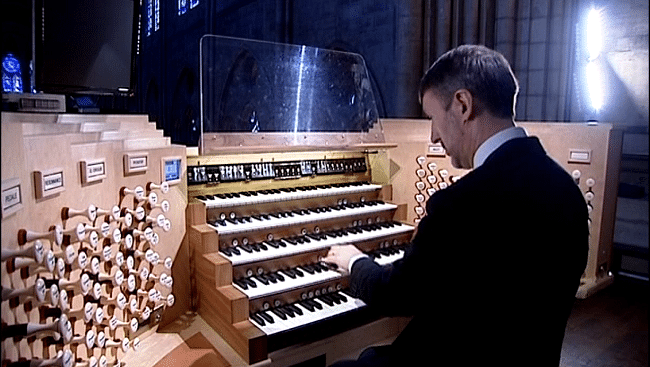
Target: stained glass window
pixel 182 7
pixel 12 79
pixel 153 16
pixel 149 17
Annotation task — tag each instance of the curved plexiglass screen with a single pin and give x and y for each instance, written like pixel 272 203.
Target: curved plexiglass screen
pixel 256 86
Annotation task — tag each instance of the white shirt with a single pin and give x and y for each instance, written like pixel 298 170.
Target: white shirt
pixel 495 141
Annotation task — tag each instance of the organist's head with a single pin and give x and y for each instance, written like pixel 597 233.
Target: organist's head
pixel 470 94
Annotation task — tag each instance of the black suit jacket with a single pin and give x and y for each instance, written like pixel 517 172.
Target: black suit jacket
pixel 493 269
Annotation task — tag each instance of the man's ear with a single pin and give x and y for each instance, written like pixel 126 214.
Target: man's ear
pixel 464 104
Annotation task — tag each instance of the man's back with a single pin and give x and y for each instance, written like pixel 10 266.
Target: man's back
pixel 495 264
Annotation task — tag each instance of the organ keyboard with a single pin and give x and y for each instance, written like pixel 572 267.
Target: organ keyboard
pixel 258 224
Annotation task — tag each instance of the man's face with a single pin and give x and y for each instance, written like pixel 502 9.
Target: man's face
pixel 446 127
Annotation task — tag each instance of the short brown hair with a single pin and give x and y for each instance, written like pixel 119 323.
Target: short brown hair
pixel 485 73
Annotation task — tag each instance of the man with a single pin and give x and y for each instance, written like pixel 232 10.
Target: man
pixel 492 272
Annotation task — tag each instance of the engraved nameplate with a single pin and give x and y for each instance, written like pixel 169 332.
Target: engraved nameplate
pixel 93 171
pixel 48 182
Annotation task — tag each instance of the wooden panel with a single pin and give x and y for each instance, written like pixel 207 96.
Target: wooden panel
pixel 38 142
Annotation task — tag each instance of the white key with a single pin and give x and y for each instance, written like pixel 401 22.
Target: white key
pixel 290 249
pixel 307 279
pixel 287 196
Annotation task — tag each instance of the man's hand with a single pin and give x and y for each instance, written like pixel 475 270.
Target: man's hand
pixel 340 256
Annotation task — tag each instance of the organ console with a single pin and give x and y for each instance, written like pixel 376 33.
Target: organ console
pixel 241 224
pixel 260 224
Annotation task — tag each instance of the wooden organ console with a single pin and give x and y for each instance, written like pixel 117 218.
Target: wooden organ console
pixel 93 215
pixel 258 222
pixel 590 152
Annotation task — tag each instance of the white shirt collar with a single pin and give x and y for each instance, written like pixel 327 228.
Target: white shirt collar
pixel 495 141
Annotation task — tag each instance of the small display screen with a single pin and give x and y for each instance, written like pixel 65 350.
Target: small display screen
pixel 172 170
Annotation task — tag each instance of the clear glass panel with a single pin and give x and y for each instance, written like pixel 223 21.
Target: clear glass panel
pixel 256 86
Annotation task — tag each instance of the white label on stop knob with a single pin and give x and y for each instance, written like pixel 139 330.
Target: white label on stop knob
pixel 107 253
pixel 70 254
pixel 134 324
pixel 128 241
pixel 97 290
pixel 90 339
pixel 94 238
pixel 139 192
pixel 58 234
pixel 60 268
pixel 125 344
pixel 169 262
pixel 106 229
pixel 128 220
pixel 94 265
pixel 119 258
pixel 168 282
pixel 54 295
pixel 99 314
pixel 167 225
pixel 130 282
pixel 115 212
pixel 121 301
pixel 148 233
pixel 39 251
pixel 81 231
pixel 136 344
pixel 170 300
pixel 160 220
pixel 63 300
pixel 153 198
pixel 133 305
pixel 165 206
pixel 146 313
pixel 50 261
pixel 101 340
pixel 117 235
pixel 140 213
pixel 155 239
pixel 68 357
pixel 89 311
pixel 119 277
pixel 86 283
pixel 144 274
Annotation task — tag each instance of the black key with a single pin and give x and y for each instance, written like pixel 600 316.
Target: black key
pixel 258 319
pixel 242 284
pixel 289 273
pixel 308 305
pixel 261 279
pixel 295 309
pixel 289 312
pixel 266 317
pixel 339 297
pixel 328 300
pixel 278 276
pixel 279 313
